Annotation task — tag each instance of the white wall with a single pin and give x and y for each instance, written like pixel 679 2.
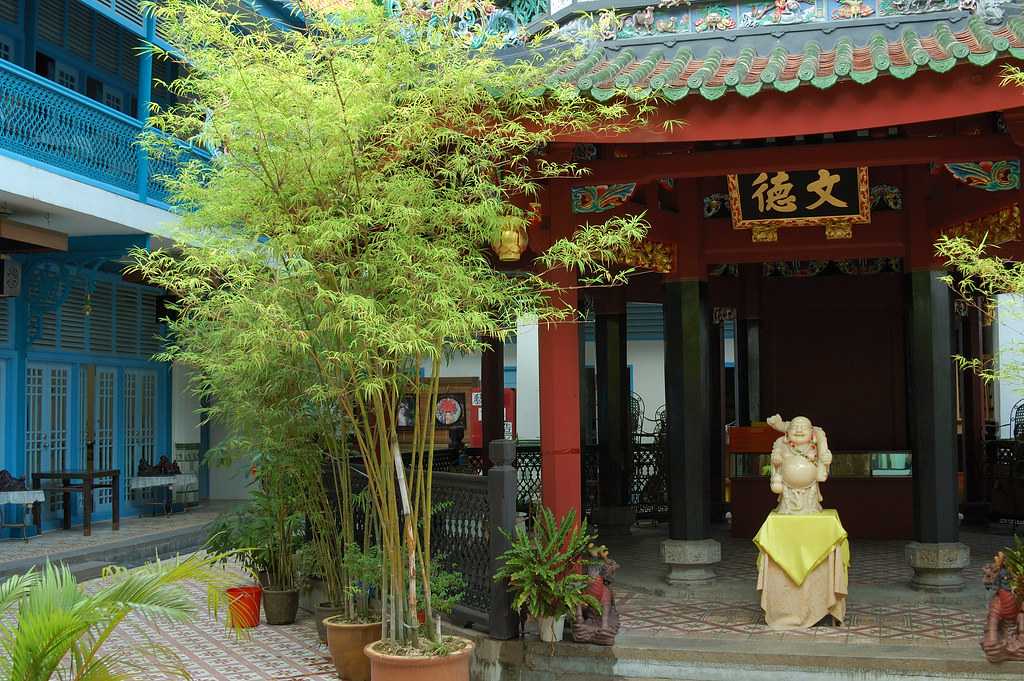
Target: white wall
pixel 184 406
pixel 468 366
pixel 228 482
pixel 648 361
pixel 51 201
pixel 1009 352
pixel 527 381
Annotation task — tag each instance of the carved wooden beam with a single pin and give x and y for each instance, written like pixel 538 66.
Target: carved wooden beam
pixel 1014 119
pixel 885 152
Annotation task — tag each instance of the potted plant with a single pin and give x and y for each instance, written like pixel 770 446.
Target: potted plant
pixel 234 539
pixel 545 571
pixel 262 537
pixel 348 634
pixel 281 529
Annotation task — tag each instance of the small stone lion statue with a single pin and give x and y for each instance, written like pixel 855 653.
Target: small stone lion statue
pixel 589 626
pixel 1004 609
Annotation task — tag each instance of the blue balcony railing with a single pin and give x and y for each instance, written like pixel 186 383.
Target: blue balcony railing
pixel 58 129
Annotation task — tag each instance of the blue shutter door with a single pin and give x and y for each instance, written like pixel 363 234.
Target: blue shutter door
pixel 46 422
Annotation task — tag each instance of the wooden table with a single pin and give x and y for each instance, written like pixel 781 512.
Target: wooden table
pixel 28 500
pixel 86 487
pixel 167 482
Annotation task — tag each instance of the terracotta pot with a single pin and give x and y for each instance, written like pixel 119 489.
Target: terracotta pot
pixel 280 607
pixel 346 643
pixel 454 667
pixel 321 612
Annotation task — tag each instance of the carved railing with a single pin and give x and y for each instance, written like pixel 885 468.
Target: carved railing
pixel 52 126
pixel 590 475
pixel 469 512
pixel 528 466
pixel 1004 478
pixel 461 537
pixel 649 486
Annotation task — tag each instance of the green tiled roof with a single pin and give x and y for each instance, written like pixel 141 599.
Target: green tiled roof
pixel 603 73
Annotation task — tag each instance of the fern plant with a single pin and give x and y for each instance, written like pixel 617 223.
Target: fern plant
pixel 1014 561
pixel 545 569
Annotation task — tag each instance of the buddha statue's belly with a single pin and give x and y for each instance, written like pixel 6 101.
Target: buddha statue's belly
pixel 798 472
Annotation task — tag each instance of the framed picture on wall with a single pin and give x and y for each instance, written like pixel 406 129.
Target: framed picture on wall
pixel 407 413
pixel 451 410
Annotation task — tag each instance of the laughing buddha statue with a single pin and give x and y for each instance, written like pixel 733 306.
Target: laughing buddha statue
pixel 800 460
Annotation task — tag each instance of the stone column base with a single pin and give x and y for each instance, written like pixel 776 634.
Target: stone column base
pixel 689 561
pixel 937 566
pixel 613 521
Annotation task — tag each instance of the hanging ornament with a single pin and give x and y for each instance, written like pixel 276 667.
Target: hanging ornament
pixel 512 240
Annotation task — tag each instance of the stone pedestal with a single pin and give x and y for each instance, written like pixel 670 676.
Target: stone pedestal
pixel 690 561
pixel 938 566
pixel 614 521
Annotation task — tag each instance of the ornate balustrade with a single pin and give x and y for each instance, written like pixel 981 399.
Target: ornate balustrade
pixel 473 514
pixel 649 484
pixel 1004 478
pixel 51 126
pixel 648 488
pixel 461 535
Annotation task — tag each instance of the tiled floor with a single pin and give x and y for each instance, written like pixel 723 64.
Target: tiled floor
pixel 881 607
pixel 212 653
pixel 927 625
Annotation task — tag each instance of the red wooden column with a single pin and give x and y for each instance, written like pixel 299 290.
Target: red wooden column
pixel 558 346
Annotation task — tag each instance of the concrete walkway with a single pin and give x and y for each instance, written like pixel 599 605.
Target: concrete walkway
pixel 138 540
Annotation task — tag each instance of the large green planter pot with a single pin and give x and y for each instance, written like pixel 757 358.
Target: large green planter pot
pixel 346 643
pixel 322 612
pixel 280 607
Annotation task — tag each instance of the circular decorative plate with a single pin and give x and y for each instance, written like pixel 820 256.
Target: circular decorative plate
pixel 449 411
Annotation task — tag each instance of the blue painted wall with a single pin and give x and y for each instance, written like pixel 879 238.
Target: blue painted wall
pixel 71 327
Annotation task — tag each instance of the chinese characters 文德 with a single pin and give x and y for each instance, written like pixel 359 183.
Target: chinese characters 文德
pixel 776 194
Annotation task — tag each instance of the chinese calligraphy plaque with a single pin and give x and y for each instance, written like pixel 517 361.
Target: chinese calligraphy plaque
pixel 824 196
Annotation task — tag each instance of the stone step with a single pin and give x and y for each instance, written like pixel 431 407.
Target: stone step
pixel 733 659
pixel 128 552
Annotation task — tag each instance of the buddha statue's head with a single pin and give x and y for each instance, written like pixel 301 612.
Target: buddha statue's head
pixel 800 430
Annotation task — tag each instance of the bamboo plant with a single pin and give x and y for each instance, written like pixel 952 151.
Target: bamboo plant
pixel 338 247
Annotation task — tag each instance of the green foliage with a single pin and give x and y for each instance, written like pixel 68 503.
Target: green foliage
pixel 546 568
pixel 237 537
pixel 981 279
pixel 58 628
pixel 264 536
pixel 1014 556
pixel 341 242
pixel 364 570
pixel 447 588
